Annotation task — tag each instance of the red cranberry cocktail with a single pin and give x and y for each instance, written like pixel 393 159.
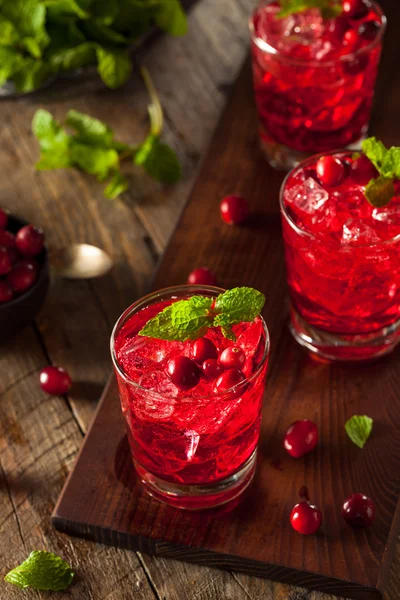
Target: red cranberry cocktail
pixel 193 407
pixel 314 77
pixel 342 257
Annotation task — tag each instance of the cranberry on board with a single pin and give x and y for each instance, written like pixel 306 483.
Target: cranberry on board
pixel 202 349
pixel 202 276
pixel 359 511
pixel 232 357
pixel 211 369
pixel 183 372
pixel 355 9
pixel 3 219
pixel 300 438
pixel 229 380
pixel 234 209
pixel 5 261
pixel 22 276
pixel 330 170
pixel 7 239
pixel 6 292
pixel 29 240
pixel 55 381
pixel 305 518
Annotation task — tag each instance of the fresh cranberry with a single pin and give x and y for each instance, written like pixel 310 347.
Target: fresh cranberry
pixel 305 518
pixel 7 239
pixel 369 30
pixel 23 275
pixel 355 9
pixel 202 276
pixel 211 369
pixel 232 357
pixel 29 240
pixel 362 170
pixel 6 293
pixel 359 511
pixel 183 372
pixel 234 210
pixel 336 28
pixel 228 380
pixel 3 219
pixel 351 39
pixel 55 381
pixel 5 261
pixel 330 170
pixel 202 349
pixel 14 255
pixel 300 438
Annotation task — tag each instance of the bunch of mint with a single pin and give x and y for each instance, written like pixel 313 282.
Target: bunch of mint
pixel 93 149
pixel 381 190
pixel 329 8
pixel 39 38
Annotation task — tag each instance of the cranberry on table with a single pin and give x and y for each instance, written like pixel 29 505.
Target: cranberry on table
pixel 29 240
pixel 202 349
pixel 211 368
pixel 3 219
pixel 183 372
pixel 23 275
pixel 300 438
pixel 359 511
pixel 6 292
pixel 305 518
pixel 229 379
pixel 7 239
pixel 5 261
pixel 234 210
pixel 202 276
pixel 232 357
pixel 55 381
pixel 369 30
pixel 330 170
pixel 355 9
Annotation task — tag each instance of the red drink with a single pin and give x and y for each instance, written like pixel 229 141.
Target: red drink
pixel 314 79
pixel 195 448
pixel 342 258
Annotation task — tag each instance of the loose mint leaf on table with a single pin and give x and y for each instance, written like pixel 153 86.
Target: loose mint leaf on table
pixel 329 8
pixel 171 17
pixel 114 66
pixel 90 131
pixel 159 160
pixel 96 161
pixel 42 571
pixel 380 191
pixel 116 186
pixel 49 132
pixel 359 428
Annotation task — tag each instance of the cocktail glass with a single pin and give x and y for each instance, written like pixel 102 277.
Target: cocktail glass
pixel 313 90
pixel 195 449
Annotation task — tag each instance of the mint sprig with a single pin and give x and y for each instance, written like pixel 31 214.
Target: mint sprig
pixel 42 571
pixel 359 428
pixel 329 8
pixel 190 319
pixel 380 190
pixel 93 149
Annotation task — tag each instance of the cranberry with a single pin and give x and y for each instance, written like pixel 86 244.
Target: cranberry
pixel 369 30
pixel 203 349
pixel 55 381
pixel 234 210
pixel 5 261
pixel 3 219
pixel 356 65
pixel 211 368
pixel 29 240
pixel 228 380
pixel 301 438
pixel 202 276
pixel 336 28
pixel 7 239
pixel 362 170
pixel 305 518
pixel 351 39
pixel 6 293
pixel 330 170
pixel 232 357
pixel 355 9
pixel 14 255
pixel 23 275
pixel 359 511
pixel 183 372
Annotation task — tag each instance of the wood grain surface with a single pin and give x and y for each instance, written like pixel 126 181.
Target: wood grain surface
pixel 40 436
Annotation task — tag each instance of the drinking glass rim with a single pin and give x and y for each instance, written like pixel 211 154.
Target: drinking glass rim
pixel 316 236
pixel 159 294
pixel 265 47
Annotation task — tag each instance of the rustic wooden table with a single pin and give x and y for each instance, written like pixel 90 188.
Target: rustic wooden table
pixel 40 435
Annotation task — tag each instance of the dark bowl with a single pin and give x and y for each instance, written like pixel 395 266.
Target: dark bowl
pixel 22 310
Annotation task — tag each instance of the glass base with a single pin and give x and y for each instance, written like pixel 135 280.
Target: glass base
pixel 199 497
pixel 336 346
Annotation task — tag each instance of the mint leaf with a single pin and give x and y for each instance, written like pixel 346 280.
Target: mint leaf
pixel 31 75
pixel 53 160
pixel 96 161
pixel 359 428
pixel 32 46
pixel 237 305
pixel 11 61
pixel 159 160
pixel 42 571
pixel 66 59
pixel 375 151
pixel 171 17
pixel 380 191
pixel 8 32
pixel 105 11
pixel 114 66
pixel 90 131
pixel 116 186
pixel 28 18
pixel 391 163
pixel 102 34
pixel 51 136
pixel 65 8
pixel 329 8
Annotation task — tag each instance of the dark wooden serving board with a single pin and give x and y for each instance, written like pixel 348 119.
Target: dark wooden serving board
pixel 102 499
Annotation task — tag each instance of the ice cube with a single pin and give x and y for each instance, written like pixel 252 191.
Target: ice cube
pixel 357 232
pixel 304 27
pixel 158 381
pixel 308 196
pixel 252 343
pixel 193 439
pixel 388 214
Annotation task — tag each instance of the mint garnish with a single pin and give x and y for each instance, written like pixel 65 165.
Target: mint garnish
pixel 359 428
pixel 380 191
pixel 190 319
pixel 329 8
pixel 42 571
